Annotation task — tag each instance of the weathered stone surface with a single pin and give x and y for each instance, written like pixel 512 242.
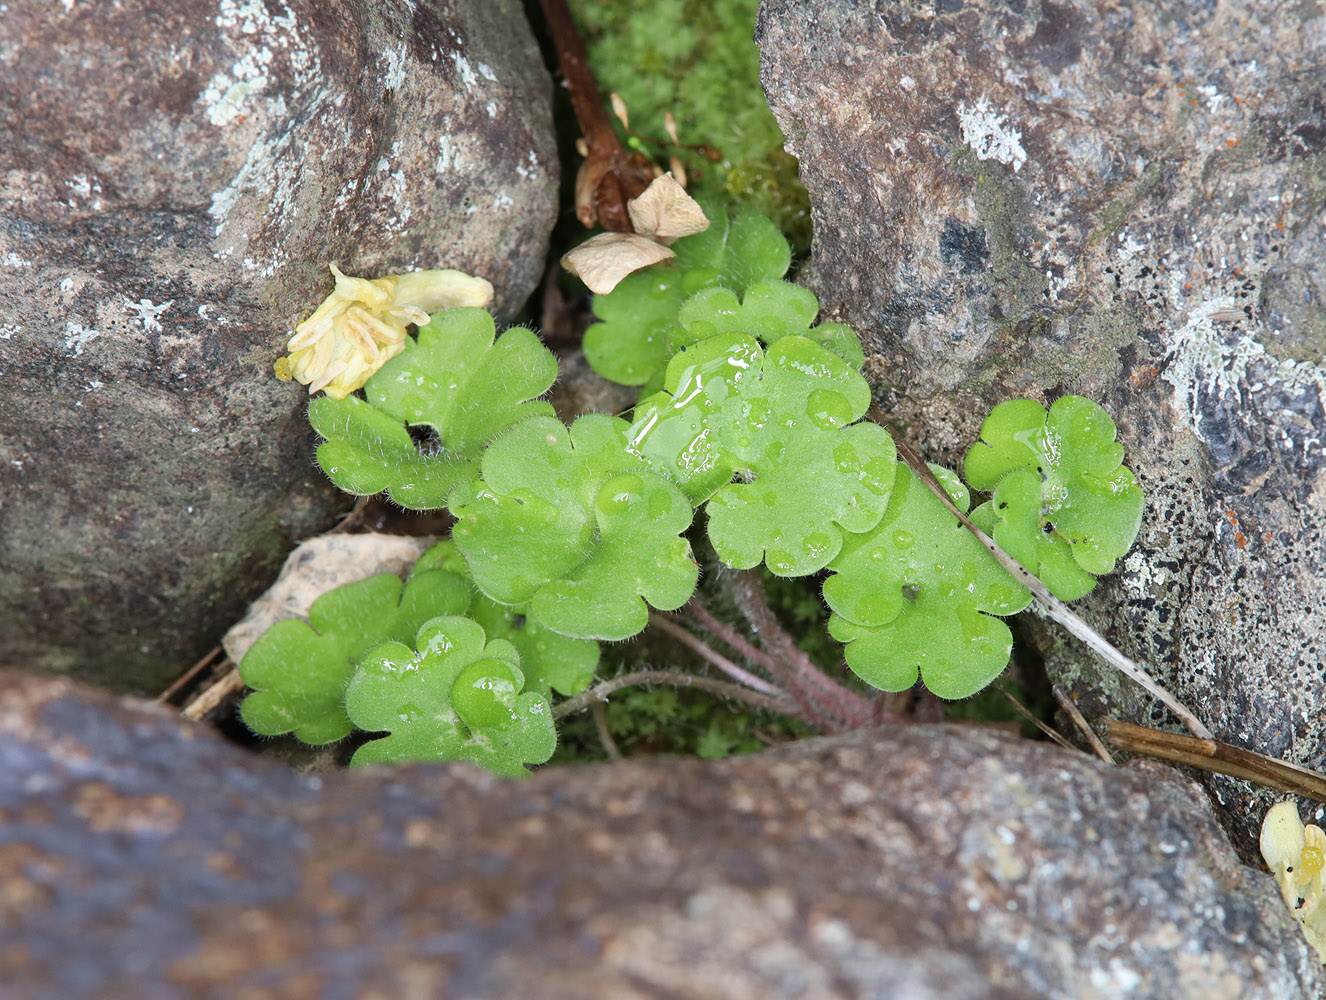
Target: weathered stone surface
pixel 141 857
pixel 174 180
pixel 1123 201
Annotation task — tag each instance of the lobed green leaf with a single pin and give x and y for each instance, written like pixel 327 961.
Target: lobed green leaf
pixel 770 311
pixel 551 661
pixel 914 596
pixel 1064 506
pixel 455 380
pixel 458 697
pixel 571 523
pixel 638 330
pixel 299 670
pixel 783 422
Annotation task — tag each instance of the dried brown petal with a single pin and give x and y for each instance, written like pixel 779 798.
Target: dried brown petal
pixel 666 211
pixel 604 260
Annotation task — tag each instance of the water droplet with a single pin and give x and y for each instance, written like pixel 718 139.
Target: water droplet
pixel 828 409
pixel 817 544
pixel 771 499
pixel 903 539
pixel 780 562
pixel 408 713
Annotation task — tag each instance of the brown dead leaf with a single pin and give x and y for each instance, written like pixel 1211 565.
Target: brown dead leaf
pixel 665 211
pixel 315 567
pixel 604 260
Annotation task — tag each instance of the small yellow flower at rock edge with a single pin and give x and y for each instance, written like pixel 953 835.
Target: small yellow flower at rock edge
pixel 1296 855
pixel 361 325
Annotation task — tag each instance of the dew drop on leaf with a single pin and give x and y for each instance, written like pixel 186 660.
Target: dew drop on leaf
pixel 828 409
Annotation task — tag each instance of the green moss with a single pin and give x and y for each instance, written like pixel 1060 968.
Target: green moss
pixel 698 59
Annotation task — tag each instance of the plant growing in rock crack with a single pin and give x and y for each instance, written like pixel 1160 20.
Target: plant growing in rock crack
pixel 564 537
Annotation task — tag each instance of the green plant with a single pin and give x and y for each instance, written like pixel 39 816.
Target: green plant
pixel 565 536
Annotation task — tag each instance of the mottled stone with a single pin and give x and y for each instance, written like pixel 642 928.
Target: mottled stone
pixel 141 857
pixel 1122 201
pixel 174 180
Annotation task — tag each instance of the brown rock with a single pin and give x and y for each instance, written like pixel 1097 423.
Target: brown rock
pixel 174 182
pixel 141 857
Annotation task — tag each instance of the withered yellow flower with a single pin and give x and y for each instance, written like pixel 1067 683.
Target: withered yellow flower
pixel 361 325
pixel 1296 855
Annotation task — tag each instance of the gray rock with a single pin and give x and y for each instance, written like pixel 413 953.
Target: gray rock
pixel 1123 202
pixel 174 182
pixel 141 857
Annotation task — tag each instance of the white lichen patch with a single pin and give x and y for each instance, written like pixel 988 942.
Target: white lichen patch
pixel 989 135
pixel 147 312
pixel 262 34
pixel 77 336
pixel 393 60
pixel 12 259
pixel 1140 577
pixel 7 330
pixel 1203 360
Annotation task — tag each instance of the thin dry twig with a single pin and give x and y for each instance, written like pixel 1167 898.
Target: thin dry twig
pixel 1073 712
pixel 600 714
pixel 1218 758
pixel 189 675
pixel 676 678
pixel 1054 608
pixel 229 683
pixel 1027 714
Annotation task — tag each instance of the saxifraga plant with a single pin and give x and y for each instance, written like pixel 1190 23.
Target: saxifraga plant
pixel 566 537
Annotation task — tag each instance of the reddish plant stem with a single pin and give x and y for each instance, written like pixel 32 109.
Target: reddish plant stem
pixel 809 684
pixel 573 64
pixel 668 625
pixel 676 678
pixel 610 176
pixel 823 721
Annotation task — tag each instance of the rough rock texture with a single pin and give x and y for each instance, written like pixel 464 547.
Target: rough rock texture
pixel 139 857
pixel 173 182
pixel 1123 201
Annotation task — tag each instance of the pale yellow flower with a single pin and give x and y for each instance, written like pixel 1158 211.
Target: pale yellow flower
pixel 361 325
pixel 1296 855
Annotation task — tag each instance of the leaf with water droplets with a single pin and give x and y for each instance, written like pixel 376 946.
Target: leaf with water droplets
pixel 915 596
pixel 807 472
pixel 551 661
pixel 299 669
pixel 638 331
pixel 1065 507
pixel 573 524
pixel 770 311
pixel 455 381
pixel 456 695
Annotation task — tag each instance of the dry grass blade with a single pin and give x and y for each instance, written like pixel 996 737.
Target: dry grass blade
pixel 1072 711
pixel 1027 714
pixel 1218 758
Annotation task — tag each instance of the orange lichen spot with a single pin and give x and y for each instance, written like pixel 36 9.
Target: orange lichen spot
pixel 1240 539
pixel 1280 226
pixel 1231 142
